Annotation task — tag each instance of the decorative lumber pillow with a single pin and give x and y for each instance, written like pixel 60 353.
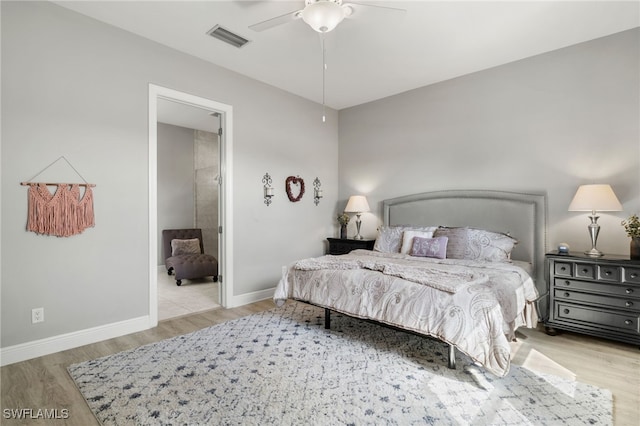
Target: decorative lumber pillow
pixel 430 247
pixel 190 246
pixel 390 237
pixel 456 241
pixel 477 244
pixel 409 235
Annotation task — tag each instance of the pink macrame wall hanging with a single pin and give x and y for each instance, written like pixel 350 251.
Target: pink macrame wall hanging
pixel 63 213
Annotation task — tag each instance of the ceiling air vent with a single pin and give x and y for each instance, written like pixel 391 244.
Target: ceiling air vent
pixel 227 36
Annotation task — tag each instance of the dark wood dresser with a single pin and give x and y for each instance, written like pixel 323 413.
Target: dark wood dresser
pixel 599 296
pixel 345 245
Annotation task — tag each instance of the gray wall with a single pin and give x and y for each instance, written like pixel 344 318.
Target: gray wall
pixel 176 180
pixel 187 183
pixel 550 122
pixel 76 87
pixel 206 191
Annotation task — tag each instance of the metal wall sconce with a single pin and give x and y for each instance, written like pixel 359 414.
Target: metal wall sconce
pixel 317 191
pixel 268 189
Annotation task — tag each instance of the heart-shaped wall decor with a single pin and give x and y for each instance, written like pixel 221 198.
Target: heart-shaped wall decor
pixel 294 181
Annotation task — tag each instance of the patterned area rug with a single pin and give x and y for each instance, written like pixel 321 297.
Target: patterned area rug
pixel 282 367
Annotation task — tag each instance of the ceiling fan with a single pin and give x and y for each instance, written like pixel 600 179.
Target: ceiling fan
pixel 322 15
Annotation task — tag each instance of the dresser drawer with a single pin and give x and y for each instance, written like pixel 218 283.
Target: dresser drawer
pixel 585 271
pixel 601 318
pixel 632 275
pixel 599 296
pixel 339 248
pixel 609 273
pixel 598 300
pixel 625 289
pixel 343 245
pixel 563 269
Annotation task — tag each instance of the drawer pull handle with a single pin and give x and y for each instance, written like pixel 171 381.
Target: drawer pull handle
pixel 628 304
pixel 567 283
pixel 563 268
pixel 627 322
pixel 584 271
pixel 566 311
pixel 634 275
pixel 566 294
pixel 629 291
pixel 607 273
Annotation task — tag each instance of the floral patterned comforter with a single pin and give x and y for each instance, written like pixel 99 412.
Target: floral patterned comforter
pixel 478 315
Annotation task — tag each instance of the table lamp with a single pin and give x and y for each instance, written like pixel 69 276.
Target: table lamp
pixel 594 198
pixel 357 204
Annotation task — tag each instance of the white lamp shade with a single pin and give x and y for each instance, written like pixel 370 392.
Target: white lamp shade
pixel 595 198
pixel 357 204
pixel 323 15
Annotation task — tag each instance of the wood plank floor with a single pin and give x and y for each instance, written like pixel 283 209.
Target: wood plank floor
pixel 43 383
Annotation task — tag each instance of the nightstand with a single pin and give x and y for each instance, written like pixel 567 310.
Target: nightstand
pixel 599 296
pixel 345 245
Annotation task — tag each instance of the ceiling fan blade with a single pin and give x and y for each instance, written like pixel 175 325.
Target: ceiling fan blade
pixel 278 20
pixel 353 9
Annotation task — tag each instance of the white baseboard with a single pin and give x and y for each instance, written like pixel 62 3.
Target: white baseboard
pixel 29 350
pixel 256 296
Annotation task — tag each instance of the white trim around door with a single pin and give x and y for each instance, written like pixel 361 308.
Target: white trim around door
pixel 225 196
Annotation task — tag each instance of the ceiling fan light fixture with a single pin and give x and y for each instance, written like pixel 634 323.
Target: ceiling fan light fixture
pixel 323 15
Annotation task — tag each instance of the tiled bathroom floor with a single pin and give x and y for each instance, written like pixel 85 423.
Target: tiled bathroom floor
pixel 192 296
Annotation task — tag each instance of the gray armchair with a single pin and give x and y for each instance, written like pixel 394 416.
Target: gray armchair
pixel 190 264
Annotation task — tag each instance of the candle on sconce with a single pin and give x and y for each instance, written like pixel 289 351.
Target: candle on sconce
pixel 317 191
pixel 268 189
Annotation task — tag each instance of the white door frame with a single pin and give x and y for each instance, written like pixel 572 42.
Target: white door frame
pixel 226 193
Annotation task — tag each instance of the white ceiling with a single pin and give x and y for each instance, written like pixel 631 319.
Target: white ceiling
pixel 372 55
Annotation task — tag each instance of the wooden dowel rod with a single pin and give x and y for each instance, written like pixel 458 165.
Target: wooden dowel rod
pixel 57 183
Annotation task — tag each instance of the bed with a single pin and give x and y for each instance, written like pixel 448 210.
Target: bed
pixel 489 281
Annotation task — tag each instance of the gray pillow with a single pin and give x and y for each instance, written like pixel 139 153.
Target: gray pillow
pixel 390 237
pixel 457 241
pixel 190 246
pixel 477 244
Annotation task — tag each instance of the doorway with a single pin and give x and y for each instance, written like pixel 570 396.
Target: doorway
pixel 187 111
pixel 188 181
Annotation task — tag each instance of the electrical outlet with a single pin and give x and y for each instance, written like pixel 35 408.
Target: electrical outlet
pixel 37 315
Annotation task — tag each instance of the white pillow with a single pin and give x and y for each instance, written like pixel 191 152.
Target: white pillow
pixel 407 239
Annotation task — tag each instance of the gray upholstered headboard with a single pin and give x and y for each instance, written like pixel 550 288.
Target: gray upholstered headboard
pixel 521 215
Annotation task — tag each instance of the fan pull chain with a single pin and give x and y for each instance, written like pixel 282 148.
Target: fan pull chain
pixel 324 70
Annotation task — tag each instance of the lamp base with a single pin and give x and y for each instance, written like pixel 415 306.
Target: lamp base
pixel 594 253
pixel 358 223
pixel 594 230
